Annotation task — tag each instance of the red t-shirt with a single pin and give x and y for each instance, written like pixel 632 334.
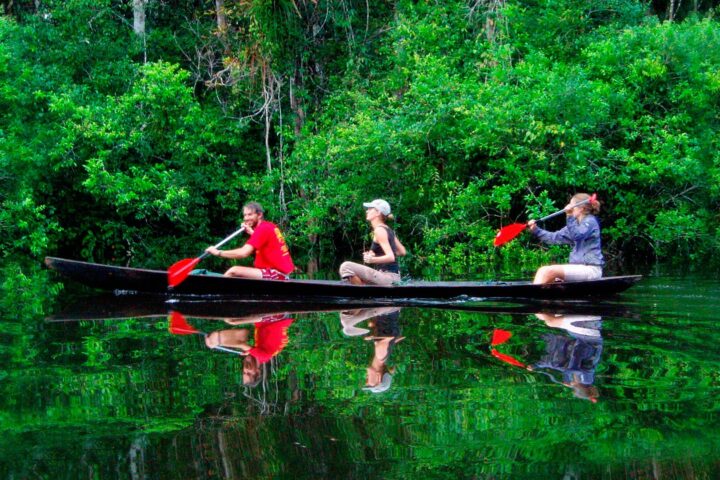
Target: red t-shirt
pixel 270 337
pixel 271 251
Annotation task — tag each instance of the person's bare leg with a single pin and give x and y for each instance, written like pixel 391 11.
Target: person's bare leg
pixel 355 280
pixel 551 320
pixel 244 320
pixel 549 274
pixel 545 317
pixel 244 272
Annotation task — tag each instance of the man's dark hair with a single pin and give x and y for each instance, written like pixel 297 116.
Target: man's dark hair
pixel 255 207
pixel 259 369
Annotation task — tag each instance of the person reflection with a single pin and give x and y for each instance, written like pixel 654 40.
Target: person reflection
pixel 575 356
pixel 383 330
pixel 270 338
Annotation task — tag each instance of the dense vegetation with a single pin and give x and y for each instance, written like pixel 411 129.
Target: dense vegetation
pixel 133 131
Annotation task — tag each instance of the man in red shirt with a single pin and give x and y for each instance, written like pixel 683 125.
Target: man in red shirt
pixel 272 256
pixel 271 337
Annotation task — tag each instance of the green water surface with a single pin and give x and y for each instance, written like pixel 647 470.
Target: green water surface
pixel 621 390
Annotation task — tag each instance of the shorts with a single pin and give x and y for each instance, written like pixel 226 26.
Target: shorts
pixel 578 272
pixel 272 274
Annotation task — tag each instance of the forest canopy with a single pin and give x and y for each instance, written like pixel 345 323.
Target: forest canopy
pixel 133 131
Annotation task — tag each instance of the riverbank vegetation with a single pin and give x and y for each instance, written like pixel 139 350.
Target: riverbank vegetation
pixel 131 132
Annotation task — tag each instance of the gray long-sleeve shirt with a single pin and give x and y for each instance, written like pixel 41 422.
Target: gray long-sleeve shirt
pixel 583 236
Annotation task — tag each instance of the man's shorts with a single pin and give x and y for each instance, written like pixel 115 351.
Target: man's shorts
pixel 272 274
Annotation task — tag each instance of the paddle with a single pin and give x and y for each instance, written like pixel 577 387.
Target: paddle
pixel 499 337
pixel 179 326
pixel 509 232
pixel 179 271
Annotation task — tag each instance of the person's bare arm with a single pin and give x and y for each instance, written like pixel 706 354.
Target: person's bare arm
pixel 399 247
pixel 229 338
pixel 237 253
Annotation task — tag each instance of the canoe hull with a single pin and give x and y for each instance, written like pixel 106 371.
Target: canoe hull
pixel 113 278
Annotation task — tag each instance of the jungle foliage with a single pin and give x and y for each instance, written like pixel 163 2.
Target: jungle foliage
pixel 133 132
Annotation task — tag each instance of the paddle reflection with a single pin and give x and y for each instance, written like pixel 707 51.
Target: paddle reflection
pixel 381 327
pixel 569 359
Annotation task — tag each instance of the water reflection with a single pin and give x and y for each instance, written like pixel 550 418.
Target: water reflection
pixel 111 399
pixel 269 339
pixel 569 358
pixel 383 330
pixel 575 355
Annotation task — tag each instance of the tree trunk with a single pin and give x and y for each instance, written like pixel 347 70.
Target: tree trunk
pixel 312 266
pixel 139 17
pixel 225 449
pixel 296 103
pixel 221 17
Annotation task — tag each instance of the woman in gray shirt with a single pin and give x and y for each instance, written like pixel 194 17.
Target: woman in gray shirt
pixel 583 233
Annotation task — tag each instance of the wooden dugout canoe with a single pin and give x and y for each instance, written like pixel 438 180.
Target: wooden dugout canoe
pixel 125 279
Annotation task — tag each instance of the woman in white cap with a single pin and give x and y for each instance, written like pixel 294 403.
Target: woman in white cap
pixel 383 252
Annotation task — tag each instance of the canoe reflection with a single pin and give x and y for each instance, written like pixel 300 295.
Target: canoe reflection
pixel 383 330
pixel 258 330
pixel 574 354
pixel 100 307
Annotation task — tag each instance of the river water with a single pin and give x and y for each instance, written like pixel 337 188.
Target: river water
pixel 117 389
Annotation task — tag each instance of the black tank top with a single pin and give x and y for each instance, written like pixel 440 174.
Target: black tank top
pixel 393 266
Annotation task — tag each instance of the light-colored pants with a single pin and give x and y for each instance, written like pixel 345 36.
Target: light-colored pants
pixel 577 272
pixel 350 318
pixel 368 275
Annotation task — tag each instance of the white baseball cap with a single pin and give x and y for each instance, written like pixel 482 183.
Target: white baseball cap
pixel 380 205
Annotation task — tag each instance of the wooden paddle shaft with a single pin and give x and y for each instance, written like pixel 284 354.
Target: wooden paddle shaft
pixel 224 241
pixel 233 235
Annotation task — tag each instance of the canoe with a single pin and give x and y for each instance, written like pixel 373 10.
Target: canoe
pixel 137 280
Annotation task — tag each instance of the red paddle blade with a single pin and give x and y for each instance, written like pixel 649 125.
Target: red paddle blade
pixel 180 270
pixel 179 326
pixel 507 358
pixel 508 233
pixel 500 336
